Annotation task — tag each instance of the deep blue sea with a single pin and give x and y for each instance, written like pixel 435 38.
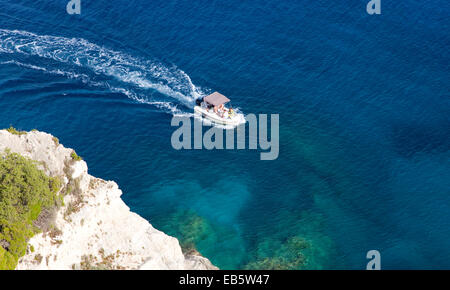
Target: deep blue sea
pixel 363 100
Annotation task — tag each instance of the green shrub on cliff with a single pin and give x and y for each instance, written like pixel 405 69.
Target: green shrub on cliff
pixel 24 192
pixel 14 131
pixel 75 156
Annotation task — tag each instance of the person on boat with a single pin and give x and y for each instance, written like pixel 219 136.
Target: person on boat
pixel 220 110
pixel 230 113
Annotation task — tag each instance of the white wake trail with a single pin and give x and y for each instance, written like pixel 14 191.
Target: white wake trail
pixel 133 73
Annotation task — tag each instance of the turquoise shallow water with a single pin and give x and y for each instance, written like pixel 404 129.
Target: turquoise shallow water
pixel 364 117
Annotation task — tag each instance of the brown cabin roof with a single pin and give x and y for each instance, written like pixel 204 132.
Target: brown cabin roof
pixel 216 99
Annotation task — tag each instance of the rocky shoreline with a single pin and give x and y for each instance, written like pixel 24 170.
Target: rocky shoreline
pixel 94 228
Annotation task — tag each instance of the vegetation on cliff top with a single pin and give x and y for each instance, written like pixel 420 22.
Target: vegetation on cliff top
pixel 25 191
pixel 14 131
pixel 75 156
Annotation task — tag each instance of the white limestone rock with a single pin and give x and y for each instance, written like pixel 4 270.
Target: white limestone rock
pixel 94 228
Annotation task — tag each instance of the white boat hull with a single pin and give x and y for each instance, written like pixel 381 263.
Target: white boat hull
pixel 213 117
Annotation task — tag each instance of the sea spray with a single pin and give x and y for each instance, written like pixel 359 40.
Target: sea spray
pixel 143 80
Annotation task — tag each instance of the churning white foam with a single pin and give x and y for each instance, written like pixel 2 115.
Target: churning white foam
pixel 133 76
pixel 71 75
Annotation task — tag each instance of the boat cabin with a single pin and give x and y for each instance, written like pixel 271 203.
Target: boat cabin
pixel 213 108
pixel 214 100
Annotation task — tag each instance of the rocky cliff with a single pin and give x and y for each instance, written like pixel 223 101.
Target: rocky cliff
pixel 94 228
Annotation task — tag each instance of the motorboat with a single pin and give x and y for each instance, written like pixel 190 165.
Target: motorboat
pixel 212 108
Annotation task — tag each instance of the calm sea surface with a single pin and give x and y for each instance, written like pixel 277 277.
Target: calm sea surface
pixel 364 109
